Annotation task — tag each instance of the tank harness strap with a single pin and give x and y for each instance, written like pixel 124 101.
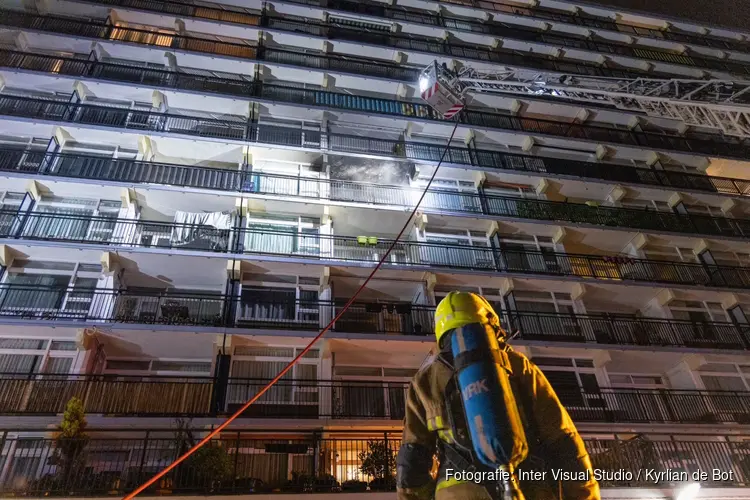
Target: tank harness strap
pixel 457 460
pixel 467 358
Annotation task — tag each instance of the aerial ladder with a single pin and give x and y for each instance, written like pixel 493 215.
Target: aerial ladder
pixel 720 105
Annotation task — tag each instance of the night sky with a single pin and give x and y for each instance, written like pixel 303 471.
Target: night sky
pixel 727 13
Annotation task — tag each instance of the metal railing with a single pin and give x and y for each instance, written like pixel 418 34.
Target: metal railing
pixel 444 201
pixel 586 19
pixel 716 146
pixel 140 233
pixel 518 32
pixel 238 85
pixel 156 307
pixel 116 462
pixel 618 329
pixel 131 395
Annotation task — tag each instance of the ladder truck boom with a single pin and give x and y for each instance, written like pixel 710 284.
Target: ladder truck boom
pixel 715 104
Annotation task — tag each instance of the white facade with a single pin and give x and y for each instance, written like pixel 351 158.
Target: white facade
pixel 188 194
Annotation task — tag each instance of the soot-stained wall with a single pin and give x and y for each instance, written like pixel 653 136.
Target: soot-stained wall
pixel 370 171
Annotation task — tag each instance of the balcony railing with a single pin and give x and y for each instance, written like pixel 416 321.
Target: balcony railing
pixel 230 84
pixel 139 233
pixel 586 19
pixel 618 329
pixel 716 146
pixel 128 395
pixel 251 18
pixel 96 306
pixel 437 200
pixel 118 461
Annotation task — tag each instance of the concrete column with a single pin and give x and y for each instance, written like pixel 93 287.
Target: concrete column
pixel 636 246
pixel 657 307
pixel 86 345
pixel 104 303
pixel 577 291
pixel 728 207
pixel 684 374
pixel 675 199
pixel 326 233
pixel 425 294
pixel 146 149
pixel 126 232
pixel 616 194
pixel 7 256
pixel 325 295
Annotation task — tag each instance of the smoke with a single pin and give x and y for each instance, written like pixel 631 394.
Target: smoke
pixel 370 171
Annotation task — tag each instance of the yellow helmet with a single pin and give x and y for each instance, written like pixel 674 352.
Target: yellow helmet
pixel 463 308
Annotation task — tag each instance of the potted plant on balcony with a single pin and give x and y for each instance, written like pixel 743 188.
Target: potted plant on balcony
pixel 206 469
pixel 379 462
pixel 69 457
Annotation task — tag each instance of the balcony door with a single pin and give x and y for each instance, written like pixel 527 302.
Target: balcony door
pixel 297 395
pixel 283 235
pixel 544 316
pixel 522 253
pixel 449 195
pixel 642 398
pixel 575 383
pixel 10 204
pixel 33 374
pixel 697 329
pixel 364 392
pixel 292 307
pixel 46 295
pixel 461 248
pixel 730 384
pixel 72 219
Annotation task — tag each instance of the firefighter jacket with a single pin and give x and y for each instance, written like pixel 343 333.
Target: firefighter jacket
pixel 553 441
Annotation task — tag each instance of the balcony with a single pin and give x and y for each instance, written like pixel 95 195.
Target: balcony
pixel 155 307
pixel 117 462
pixel 130 395
pixel 586 19
pixel 128 233
pixel 718 146
pixel 10 159
pixel 78 166
pixel 251 18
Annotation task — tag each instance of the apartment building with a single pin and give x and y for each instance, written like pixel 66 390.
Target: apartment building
pixel 190 191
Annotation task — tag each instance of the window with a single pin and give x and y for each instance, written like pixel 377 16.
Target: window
pixel 123 365
pixel 725 377
pixel 697 311
pixel 659 206
pixel 636 381
pixel 510 190
pixel 670 253
pixel 549 302
pixel 159 366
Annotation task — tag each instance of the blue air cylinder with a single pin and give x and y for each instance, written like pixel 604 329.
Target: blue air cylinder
pixel 492 416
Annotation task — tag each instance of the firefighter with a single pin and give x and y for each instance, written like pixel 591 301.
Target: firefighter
pixel 435 425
